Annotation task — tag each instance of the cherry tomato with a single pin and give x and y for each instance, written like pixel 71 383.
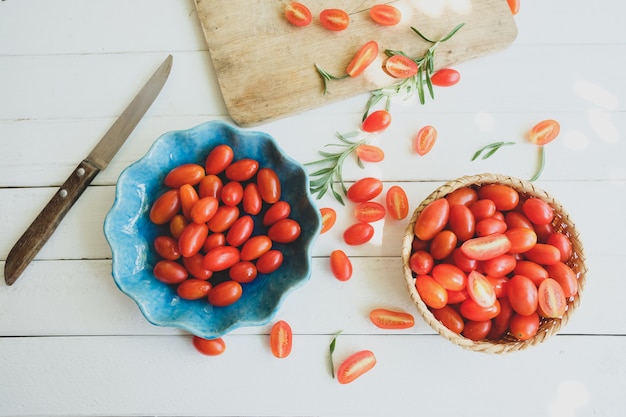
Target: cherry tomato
pixel 278 211
pixel 400 66
pixel 500 265
pixel 209 347
pixel 193 289
pixel 377 121
pixel 223 218
pixel 449 276
pixel 450 318
pixel 522 239
pixel 218 159
pixel 243 272
pixel 515 219
pixel 242 170
pixel 538 211
pixel 211 185
pixel 232 193
pixel 188 199
pixel 445 77
pixel 477 330
pixel 532 270
pixel 169 272
pixel 551 298
pixel 443 244
pixel 522 294
pixel 281 339
pixel 421 262
pixel 483 209
pixel 166 247
pixel 385 14
pixel 340 265
pixel 397 202
pixel 544 132
pixel 269 262
pixel 457 297
pixel 486 247
pixel 543 231
pixel 204 209
pixel 334 19
pixel 543 254
pixel 514 6
pixel 355 365
pixel 240 231
pixel 432 219
pixel 464 195
pixel 390 319
pixel 329 217
pixel 184 174
pixel 364 189
pixel 480 290
pixel 370 153
pixel 221 258
pixel 490 226
pixel 524 327
pixel 192 238
pixel 504 197
pixel 225 293
pixel 177 224
pixel 565 276
pixel 213 241
pixel 466 264
pixel 255 247
pixel 269 185
pixel 499 285
pixel 472 311
pixel 431 292
pixel 425 139
pixel 500 323
pixel 251 201
pixel 195 266
pixel 298 14
pixel 562 243
pixel 284 231
pixel 369 211
pixel 461 221
pixel 362 59
pixel 165 207
pixel 358 234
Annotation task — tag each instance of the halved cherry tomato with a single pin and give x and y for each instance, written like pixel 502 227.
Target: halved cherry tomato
pixel 184 174
pixel 243 272
pixel 211 185
pixel 544 132
pixel 278 211
pixel 165 207
pixel 369 211
pixel 450 318
pixel 400 66
pixel 565 276
pixel 486 247
pixel 421 262
pixel 358 234
pixel 432 219
pixel 464 195
pixel 298 14
pixel 524 327
pixel 445 77
pixel 329 217
pixel 284 231
pixel 209 347
pixel 551 298
pixel 461 221
pixel 204 209
pixel 480 290
pixel 269 262
pixel 334 19
pixel 169 272
pixel 370 153
pixel 232 193
pixel 397 202
pixel 443 244
pixel 193 289
pixel 514 5
pixel 449 276
pixel 522 239
pixel 269 185
pixel 424 140
pixel 472 311
pixel 562 243
pixel 543 254
pixel 364 189
pixel 504 197
pixel 225 293
pixel 385 14
pixel 195 266
pixel 477 330
pixel 355 365
pixel 188 198
pixel 218 159
pixel 522 294
pixel 500 265
pixel 281 339
pixel 431 292
pixel 255 247
pixel 192 238
pixel 376 121
pixel 242 170
pixel 221 258
pixel 390 319
pixel 166 247
pixel 240 231
pixel 252 203
pixel 538 211
pixel 532 270
pixel 223 218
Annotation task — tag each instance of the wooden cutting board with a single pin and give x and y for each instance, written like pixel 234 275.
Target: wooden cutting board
pixel 265 66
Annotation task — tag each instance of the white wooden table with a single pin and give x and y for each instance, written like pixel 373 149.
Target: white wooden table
pixel 72 344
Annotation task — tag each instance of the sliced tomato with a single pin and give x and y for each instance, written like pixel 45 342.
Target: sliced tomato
pixel 355 365
pixel 385 14
pixel 480 289
pixel 551 298
pixel 363 58
pixel 390 319
pixel 370 153
pixel 369 211
pixel 445 77
pixel 397 202
pixel 425 139
pixel 376 121
pixel 281 339
pixel 329 217
pixel 400 66
pixel 544 132
pixel 298 14
pixel 334 19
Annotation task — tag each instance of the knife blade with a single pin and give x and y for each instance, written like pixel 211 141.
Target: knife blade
pixel 40 230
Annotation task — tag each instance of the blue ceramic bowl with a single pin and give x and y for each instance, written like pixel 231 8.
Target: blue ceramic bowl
pixel 130 232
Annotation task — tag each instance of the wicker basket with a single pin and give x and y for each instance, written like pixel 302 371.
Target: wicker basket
pixel 562 223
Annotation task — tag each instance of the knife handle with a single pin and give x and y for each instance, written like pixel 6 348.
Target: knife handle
pixel 40 230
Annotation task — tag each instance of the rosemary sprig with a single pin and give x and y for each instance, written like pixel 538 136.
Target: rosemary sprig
pixel 542 163
pixel 490 149
pixel 331 348
pixel 327 77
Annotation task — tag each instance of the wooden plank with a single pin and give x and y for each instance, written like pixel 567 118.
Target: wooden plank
pixel 265 66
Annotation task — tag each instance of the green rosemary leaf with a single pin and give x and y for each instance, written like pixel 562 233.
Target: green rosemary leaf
pixel 360 163
pixel 329 155
pixel 491 148
pixel 331 349
pixel 542 163
pixel 337 196
pixel 421 36
pixel 452 33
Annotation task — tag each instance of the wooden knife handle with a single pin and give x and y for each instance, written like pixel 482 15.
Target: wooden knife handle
pixel 47 221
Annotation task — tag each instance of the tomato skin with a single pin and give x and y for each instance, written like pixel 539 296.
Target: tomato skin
pixel 432 219
pixel 232 193
pixel 544 132
pixel 464 195
pixel 221 258
pixel 209 347
pixel 466 264
pixel 213 241
pixel 449 276
pixel 562 243
pixel 334 19
pixel 195 266
pixel 225 293
pixel 443 244
pixel 401 66
pixel 298 14
pixel 543 254
pixel 457 297
pixel 242 170
pixel 355 365
pixel 278 211
pixel 433 294
pixel 397 202
pixel 490 226
pixel 193 289
pixel 204 210
pixel 358 234
pixel 424 140
pixel 385 14
pixel 329 217
pixel 224 217
pixel 284 231
pixel 370 153
pixel 543 231
pixel 169 272
pixel 445 77
pixel 565 276
pixel 522 294
pixel 190 174
pixel 499 285
pixel 472 311
pixel 522 239
pixel 218 159
pixel 421 262
pixel 552 302
pixel 340 265
pixel 166 247
pixel 369 211
pixel 483 209
pixel 281 339
pixel 515 219
pixel 524 327
pixel 240 231
pixel 377 121
pixel 188 199
pixel 450 318
pixel 389 319
pixel 500 323
pixel 269 185
pixel 538 211
pixel 477 330
pixel 211 185
pixel 480 290
pixel 269 262
pixel 255 247
pixel 505 197
pixel 365 189
pixel 461 221
pixel 500 265
pixel 486 247
pixel 165 207
pixel 243 272
pixel 251 200
pixel 192 238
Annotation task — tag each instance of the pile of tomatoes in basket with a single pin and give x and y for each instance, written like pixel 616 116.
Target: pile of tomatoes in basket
pixel 488 262
pixel 210 247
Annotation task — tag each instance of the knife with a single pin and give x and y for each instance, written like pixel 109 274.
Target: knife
pixel 50 217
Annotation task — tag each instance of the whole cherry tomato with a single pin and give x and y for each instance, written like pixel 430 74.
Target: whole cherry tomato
pixel 522 239
pixel 516 219
pixel 385 14
pixel 522 294
pixel 355 365
pixel 252 203
pixel 464 195
pixel 431 292
pixel 445 77
pixel 466 264
pixel 432 219
pixel 284 231
pixel 477 330
pixel 334 19
pixel 195 266
pixel 193 289
pixel 500 265
pixel 397 202
pixel 421 262
pixel 532 270
pixel 443 244
pixel 177 224
pixel 281 339
pixel 243 272
pixel 499 285
pixel 340 265
pixel 209 347
pixel 358 234
pixel 225 293
pixel 298 14
pixel 538 211
pixel 364 189
pixel 449 276
pixel 490 226
pixel 565 276
pixel 184 174
pixel 269 185
pixel 240 231
pixel 211 185
pixel 165 207
pixel 543 254
pixel 269 262
pixel 483 209
pixel 461 222
pixel 376 121
pixel 544 132
pixel 224 217
pixel 370 153
pixel 192 238
pixel 166 247
pixel 213 241
pixel 450 318
pixel 552 300
pixel 505 197
pixel 278 211
pixel 391 319
pixel 169 272
pixel 362 59
pixel 221 258
pixel 480 290
pixel 486 247
pixel 204 209
pixel 524 327
pixel 400 66
pixel 562 243
pixel 424 140
pixel 232 193
pixel 472 311
pixel 255 247
pixel 218 159
pixel 329 217
pixel 188 199
pixel 500 323
pixel 369 211
pixel 242 170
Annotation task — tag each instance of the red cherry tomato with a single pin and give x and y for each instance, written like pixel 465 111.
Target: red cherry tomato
pixel 188 199
pixel 532 270
pixel 499 285
pixel 477 330
pixel 166 247
pixel 284 231
pixel 278 211
pixel 298 14
pixel 385 14
pixel 184 174
pixel 192 238
pixel 281 339
pixel 240 231
pixel 432 219
pixel 486 247
pixel 221 258
pixel 364 189
pixel 565 276
pixel 551 298
pixel 464 195
pixel 480 290
pixel 355 365
pixel 390 319
pixel 377 121
pixel 515 219
pixel 443 244
pixel 431 292
pixel 362 59
pixel 562 243
pixel 165 207
pixel 421 262
pixel 490 226
pixel 225 293
pixel 369 211
pixel 242 170
pixel 424 140
pixel 466 264
pixel 521 238
pixel 472 311
pixel 449 276
pixel 204 209
pixel 209 347
pixel 400 66
pixel 524 327
pixel 169 272
pixel 483 209
pixel 211 185
pixel 223 218
pixel 543 254
pixel 243 272
pixel 522 294
pixel 195 266
pixel 502 321
pixel 329 217
pixel 445 77
pixel 177 224
pixel 538 211
pixel 358 234
pixel 543 231
pixel 334 19
pixel 370 153
pixel 457 297
pixel 340 265
pixel 504 197
pixel 218 159
pixel 255 247
pixel 514 5
pixel 544 132
pixel 269 262
pixel 397 202
pixel 269 185
pixel 232 193
pixel 450 318
pixel 252 203
pixel 193 289
pixel 500 265
pixel 461 222
pixel 213 241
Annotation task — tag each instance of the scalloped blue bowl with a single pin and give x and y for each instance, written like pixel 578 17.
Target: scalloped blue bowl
pixel 130 232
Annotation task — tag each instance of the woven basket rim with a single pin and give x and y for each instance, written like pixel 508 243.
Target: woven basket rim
pixel 562 223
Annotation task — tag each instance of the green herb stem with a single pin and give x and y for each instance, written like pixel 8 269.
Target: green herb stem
pixel 490 149
pixel 542 163
pixel 332 350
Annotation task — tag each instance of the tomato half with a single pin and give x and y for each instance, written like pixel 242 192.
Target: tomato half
pixel 298 14
pixel 486 247
pixel 390 319
pixel 329 217
pixel 551 298
pixel 376 121
pixel 480 290
pixel 358 234
pixel 225 293
pixel 369 211
pixel 281 339
pixel 445 77
pixel 184 174
pixel 370 153
pixel 364 189
pixel 385 14
pixel 334 19
pixel 432 219
pixel 522 294
pixel 400 66
pixel 209 347
pixel 362 59
pixel 340 265
pixel 424 140
pixel 355 365
pixel 544 132
pixel 397 202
